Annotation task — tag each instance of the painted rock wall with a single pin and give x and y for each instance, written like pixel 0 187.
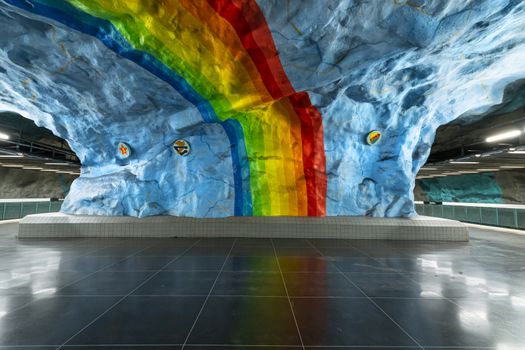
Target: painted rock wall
pixel 498 187
pixel 275 98
pixel 17 183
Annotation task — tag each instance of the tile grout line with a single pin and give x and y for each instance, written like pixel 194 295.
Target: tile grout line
pixel 370 299
pixel 138 346
pixel 406 275
pixel 287 295
pixel 131 292
pixel 77 280
pixel 208 296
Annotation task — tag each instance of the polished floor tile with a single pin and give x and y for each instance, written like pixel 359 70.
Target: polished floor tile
pixel 297 251
pixel 306 264
pixel 31 282
pixel 8 303
pixel 244 347
pixel 119 347
pixel 390 285
pixel 341 251
pixel 89 263
pixel 179 283
pixel 167 250
pixel 361 264
pixel 319 284
pixel 196 262
pixel 252 251
pixel 141 263
pixel 107 283
pixel 249 283
pixel 345 294
pixel 438 322
pixel 246 320
pixel 503 318
pixel 251 263
pixel 346 322
pixel 51 320
pixel 143 320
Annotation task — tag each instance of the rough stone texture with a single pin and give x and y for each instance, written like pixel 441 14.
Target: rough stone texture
pixel 401 67
pixel 499 187
pixel 16 183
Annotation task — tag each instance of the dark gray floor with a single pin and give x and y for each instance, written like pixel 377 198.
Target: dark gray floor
pixel 262 294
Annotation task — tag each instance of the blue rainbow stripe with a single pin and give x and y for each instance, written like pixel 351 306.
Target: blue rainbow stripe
pixel 103 30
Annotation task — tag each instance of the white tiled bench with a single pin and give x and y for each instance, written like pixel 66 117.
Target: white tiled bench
pixel 56 225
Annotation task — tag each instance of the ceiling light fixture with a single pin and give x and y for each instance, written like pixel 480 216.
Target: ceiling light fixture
pixel 456 162
pixel 517 152
pixel 69 164
pixel 32 168
pixel 504 136
pixel 4 136
pixel 488 169
pixel 512 166
pixel 12 166
pixel 10 156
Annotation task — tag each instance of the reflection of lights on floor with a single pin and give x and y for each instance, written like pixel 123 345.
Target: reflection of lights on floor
pixel 505 346
pixel 493 289
pixel 475 281
pixel 429 294
pixel 474 320
pixel 517 301
pixel 45 290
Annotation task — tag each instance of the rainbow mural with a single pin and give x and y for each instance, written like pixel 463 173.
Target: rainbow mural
pixel 220 55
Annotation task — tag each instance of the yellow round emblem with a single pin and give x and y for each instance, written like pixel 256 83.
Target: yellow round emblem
pixel 373 137
pixel 182 147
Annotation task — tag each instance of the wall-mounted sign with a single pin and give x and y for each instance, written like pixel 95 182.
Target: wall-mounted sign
pixel 373 137
pixel 182 147
pixel 123 150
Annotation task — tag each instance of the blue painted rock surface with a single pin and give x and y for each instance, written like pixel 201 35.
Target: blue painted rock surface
pixel 400 67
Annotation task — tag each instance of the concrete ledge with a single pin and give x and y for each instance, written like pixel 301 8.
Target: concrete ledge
pixel 58 225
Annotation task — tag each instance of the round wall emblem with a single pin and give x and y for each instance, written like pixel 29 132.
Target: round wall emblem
pixel 182 147
pixel 123 150
pixel 373 137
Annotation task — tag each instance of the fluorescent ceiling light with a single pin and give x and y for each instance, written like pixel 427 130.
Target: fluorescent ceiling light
pixel 517 152
pixel 59 164
pixel 504 136
pixel 4 136
pixel 512 166
pixel 12 166
pixel 32 168
pixel 458 162
pixel 10 156
pixel 469 172
pixel 49 170
pixel 428 168
pixel 477 155
pixel 488 169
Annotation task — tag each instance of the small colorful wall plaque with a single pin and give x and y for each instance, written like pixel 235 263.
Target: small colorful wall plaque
pixel 182 147
pixel 123 150
pixel 373 137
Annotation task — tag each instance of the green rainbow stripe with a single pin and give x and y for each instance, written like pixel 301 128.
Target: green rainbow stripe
pixel 221 53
